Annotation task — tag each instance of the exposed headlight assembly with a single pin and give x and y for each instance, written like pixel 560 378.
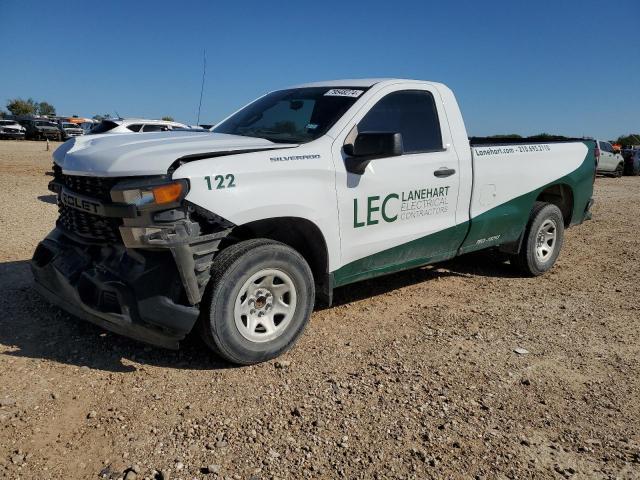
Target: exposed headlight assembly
pixel 151 194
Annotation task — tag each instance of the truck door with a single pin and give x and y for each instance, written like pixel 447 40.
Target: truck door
pixel 401 211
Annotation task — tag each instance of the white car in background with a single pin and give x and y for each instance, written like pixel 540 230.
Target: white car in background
pixel 609 162
pixel 135 125
pixel 11 129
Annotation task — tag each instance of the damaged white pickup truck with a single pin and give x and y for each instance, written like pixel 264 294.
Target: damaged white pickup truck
pixel 241 230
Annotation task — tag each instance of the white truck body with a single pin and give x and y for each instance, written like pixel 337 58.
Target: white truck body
pixel 400 211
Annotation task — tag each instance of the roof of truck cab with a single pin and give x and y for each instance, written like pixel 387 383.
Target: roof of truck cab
pixel 354 82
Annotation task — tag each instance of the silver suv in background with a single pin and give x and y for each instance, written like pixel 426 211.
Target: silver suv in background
pixel 609 162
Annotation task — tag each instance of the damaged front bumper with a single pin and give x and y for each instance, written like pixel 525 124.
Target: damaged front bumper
pixel 122 291
pixel 121 260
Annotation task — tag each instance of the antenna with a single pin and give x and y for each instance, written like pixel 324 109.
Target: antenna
pixel 204 72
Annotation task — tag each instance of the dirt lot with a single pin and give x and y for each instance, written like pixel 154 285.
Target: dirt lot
pixel 409 376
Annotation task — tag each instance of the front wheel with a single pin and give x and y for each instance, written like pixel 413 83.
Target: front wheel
pixel 619 171
pixel 258 301
pixel 543 237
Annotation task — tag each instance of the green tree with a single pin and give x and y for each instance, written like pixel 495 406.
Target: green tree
pixel 545 136
pixel 167 118
pixel 506 135
pixel 631 139
pixel 18 106
pixel 45 108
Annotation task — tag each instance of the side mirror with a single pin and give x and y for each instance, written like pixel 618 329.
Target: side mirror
pixel 371 145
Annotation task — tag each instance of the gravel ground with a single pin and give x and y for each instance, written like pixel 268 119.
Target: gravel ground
pixel 415 375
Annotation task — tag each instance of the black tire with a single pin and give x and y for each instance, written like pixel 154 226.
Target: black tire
pixel 527 260
pixel 232 268
pixel 619 171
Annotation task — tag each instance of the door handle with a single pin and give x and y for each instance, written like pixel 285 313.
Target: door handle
pixel 444 172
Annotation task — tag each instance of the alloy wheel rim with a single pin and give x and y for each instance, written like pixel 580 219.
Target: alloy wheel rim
pixel 265 305
pixel 546 240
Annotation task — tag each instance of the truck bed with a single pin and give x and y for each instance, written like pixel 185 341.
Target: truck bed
pixel 510 175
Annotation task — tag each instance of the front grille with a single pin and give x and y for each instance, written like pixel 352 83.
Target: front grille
pixel 96 187
pixel 91 227
pixel 88 226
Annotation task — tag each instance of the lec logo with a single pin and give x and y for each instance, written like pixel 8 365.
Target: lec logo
pixel 375 211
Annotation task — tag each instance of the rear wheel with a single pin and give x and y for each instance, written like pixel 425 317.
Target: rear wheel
pixel 258 301
pixel 542 241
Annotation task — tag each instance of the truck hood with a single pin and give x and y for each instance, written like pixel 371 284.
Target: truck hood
pixel 137 154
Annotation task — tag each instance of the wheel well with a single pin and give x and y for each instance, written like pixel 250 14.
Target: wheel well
pixel 562 197
pixel 300 234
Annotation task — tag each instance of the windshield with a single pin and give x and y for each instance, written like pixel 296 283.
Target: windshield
pixel 7 122
pixel 45 124
pixel 70 125
pixel 297 115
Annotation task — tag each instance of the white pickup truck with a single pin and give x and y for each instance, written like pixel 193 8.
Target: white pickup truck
pixel 242 230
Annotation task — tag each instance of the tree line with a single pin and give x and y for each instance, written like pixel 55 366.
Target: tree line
pixel 20 107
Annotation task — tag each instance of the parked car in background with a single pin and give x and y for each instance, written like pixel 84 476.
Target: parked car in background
pixel 11 129
pixel 69 130
pixel 631 161
pixel 37 129
pixel 84 123
pixel 609 162
pixel 135 125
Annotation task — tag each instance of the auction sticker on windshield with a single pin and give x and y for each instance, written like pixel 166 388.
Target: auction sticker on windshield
pixel 343 92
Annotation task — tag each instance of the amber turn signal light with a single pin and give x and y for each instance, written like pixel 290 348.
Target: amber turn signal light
pixel 167 193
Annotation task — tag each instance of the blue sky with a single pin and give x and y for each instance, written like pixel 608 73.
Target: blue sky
pixel 516 67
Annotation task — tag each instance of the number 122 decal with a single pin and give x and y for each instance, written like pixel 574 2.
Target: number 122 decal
pixel 220 181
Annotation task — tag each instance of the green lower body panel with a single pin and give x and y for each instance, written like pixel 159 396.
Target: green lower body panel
pixel 502 224
pixel 433 248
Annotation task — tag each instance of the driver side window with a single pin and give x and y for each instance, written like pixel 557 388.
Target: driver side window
pixel 413 114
